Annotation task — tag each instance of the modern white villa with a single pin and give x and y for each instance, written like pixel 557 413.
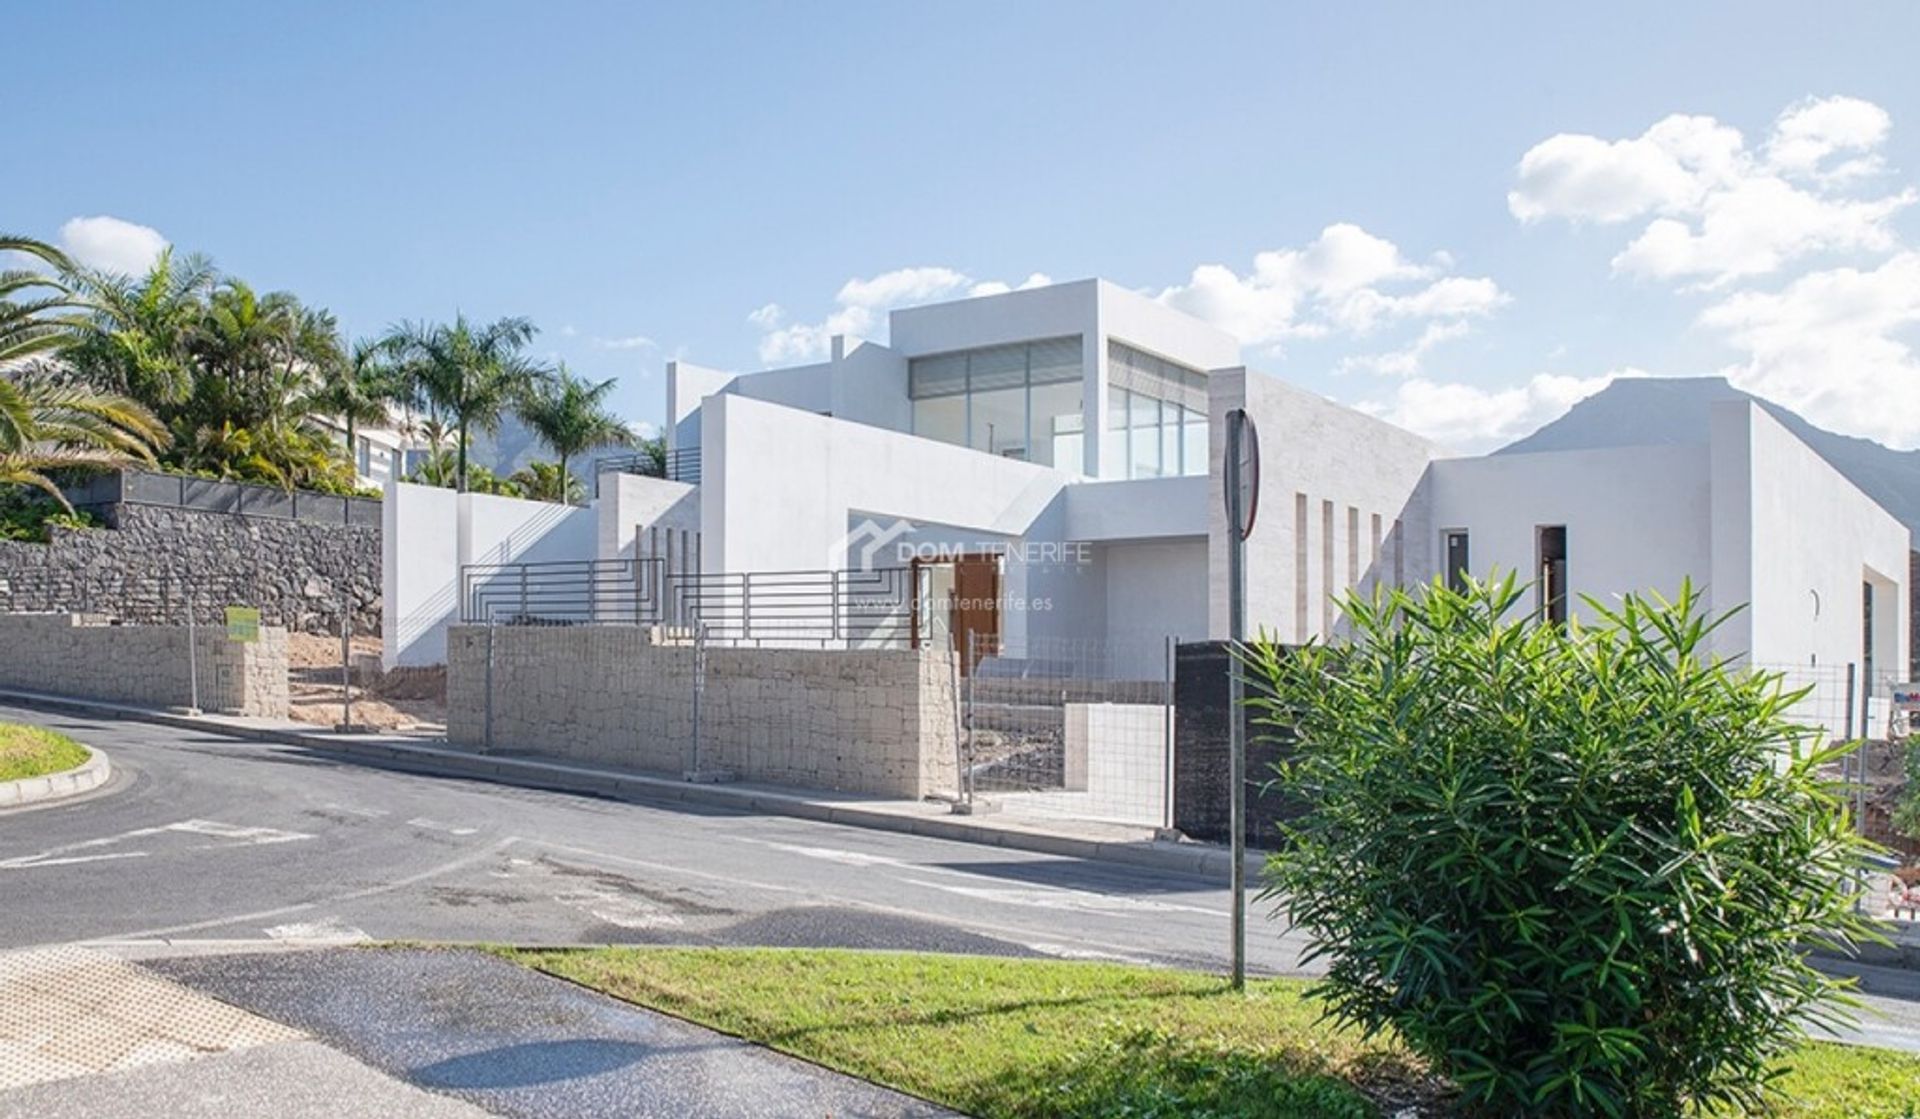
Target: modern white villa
pixel 1045 467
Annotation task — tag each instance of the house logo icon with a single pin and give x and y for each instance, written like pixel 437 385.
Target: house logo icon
pixel 863 544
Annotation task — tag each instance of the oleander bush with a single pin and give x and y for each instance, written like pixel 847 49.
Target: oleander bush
pixel 1577 870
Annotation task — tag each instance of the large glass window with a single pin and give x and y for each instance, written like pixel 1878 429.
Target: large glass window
pixel 1157 416
pixel 1059 425
pixel 1020 401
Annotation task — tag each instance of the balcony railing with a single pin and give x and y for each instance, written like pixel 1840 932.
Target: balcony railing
pixel 679 465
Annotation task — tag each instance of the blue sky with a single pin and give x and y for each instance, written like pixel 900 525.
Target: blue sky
pixel 706 180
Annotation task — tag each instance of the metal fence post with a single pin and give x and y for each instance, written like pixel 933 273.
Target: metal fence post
pixel 1166 786
pixel 973 670
pixel 959 720
pixel 193 655
pixel 486 738
pixel 699 686
pixel 346 667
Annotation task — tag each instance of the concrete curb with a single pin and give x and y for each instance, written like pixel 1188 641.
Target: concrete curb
pixel 1184 858
pixel 51 787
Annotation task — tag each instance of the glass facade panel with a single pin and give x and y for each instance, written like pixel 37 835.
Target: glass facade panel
pixel 1017 401
pixel 1113 457
pixel 1193 445
pixel 998 422
pixel 1144 436
pixel 941 417
pixel 1058 425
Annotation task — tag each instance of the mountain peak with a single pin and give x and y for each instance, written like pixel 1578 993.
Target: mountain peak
pixel 1658 411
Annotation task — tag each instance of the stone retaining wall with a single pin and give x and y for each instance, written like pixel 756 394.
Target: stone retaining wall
pixel 85 657
pixel 155 559
pixel 872 720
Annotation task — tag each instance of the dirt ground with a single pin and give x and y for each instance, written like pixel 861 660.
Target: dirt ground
pixel 406 699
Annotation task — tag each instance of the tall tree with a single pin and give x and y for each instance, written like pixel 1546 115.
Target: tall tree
pixel 358 388
pixel 39 311
pixel 570 416
pixel 470 373
pixel 45 427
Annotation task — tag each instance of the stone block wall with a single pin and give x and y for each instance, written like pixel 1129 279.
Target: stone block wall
pixel 876 721
pixel 155 560
pixel 85 657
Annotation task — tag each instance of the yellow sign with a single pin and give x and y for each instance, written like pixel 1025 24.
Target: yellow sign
pixel 243 623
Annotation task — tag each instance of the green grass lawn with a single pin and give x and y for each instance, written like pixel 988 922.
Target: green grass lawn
pixel 36 751
pixel 995 1037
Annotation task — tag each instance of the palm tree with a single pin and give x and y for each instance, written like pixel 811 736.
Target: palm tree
pixel 547 481
pixel 46 427
pixel 50 316
pixel 470 374
pixel 358 389
pixel 141 329
pixel 570 416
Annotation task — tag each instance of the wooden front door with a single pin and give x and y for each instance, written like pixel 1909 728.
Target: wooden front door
pixel 976 608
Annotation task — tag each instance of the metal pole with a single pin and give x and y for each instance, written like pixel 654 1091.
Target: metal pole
pixel 973 670
pixel 486 738
pixel 193 656
pixel 1166 744
pixel 346 667
pixel 699 683
pixel 959 721
pixel 1236 696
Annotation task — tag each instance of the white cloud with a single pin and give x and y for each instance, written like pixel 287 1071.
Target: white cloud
pixel 861 306
pixel 1332 284
pixel 643 429
pixel 1720 210
pixel 111 245
pixel 1827 346
pixel 630 342
pixel 1468 418
pixel 1406 361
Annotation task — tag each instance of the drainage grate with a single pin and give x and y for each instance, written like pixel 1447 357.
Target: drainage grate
pixel 68 1012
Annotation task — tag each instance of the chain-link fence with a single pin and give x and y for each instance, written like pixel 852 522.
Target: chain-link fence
pixel 1070 727
pixel 1853 704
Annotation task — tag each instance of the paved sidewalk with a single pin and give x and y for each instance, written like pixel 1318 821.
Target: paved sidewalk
pixel 517 1043
pixel 1122 843
pixel 84 1035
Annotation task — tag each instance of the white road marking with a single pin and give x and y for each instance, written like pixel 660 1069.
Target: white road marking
pixel 1048 897
pixel 434 825
pixel 69 853
pixel 327 930
pixel 619 909
pixel 369 813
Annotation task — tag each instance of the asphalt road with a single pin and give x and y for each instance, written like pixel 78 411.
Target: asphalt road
pixel 203 838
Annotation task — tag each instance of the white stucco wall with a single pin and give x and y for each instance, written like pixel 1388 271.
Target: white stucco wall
pixel 1319 461
pixel 1636 517
pixel 1797 540
pixel 629 504
pixel 431 533
pixel 1154 590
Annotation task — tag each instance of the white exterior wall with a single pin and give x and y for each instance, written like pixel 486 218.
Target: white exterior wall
pixel 630 503
pixel 1636 517
pixel 1321 463
pixel 1792 536
pixel 687 385
pixel 429 534
pixel 1154 590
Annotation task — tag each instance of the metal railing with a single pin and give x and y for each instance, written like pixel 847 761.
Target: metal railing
pixel 679 465
pixel 827 608
pixel 246 499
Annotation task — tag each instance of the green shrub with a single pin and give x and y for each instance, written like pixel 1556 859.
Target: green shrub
pixel 30 515
pixel 1906 812
pixel 1576 870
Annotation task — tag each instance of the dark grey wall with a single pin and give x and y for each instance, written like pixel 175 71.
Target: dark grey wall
pixel 1201 762
pixel 155 561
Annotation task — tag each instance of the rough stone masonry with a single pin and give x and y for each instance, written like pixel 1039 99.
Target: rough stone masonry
pixel 153 561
